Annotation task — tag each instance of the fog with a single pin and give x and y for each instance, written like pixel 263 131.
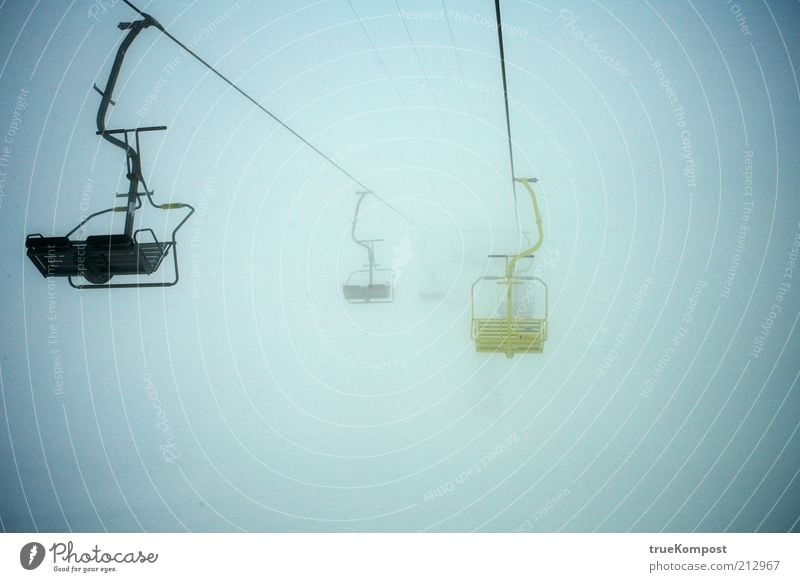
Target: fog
pixel 251 396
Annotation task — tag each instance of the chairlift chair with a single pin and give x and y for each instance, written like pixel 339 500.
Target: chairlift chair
pixel 371 284
pixel 516 321
pixel 133 252
pixel 430 293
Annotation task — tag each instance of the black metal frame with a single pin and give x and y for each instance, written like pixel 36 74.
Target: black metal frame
pixel 101 257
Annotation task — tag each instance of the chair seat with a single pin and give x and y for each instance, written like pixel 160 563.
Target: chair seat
pixel 509 336
pixel 365 293
pixel 97 258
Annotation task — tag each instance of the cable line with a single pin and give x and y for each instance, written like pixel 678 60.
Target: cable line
pixel 461 75
pixel 419 61
pixel 269 113
pixel 377 54
pixel 505 100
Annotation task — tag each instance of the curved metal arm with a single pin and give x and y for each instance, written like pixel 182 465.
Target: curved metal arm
pixel 133 28
pixel 363 242
pixel 528 252
pixel 513 262
pixel 134 165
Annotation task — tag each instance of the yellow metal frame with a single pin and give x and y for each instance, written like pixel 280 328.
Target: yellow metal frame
pixel 508 334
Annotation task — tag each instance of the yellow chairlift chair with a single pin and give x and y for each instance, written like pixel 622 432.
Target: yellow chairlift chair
pixel 509 313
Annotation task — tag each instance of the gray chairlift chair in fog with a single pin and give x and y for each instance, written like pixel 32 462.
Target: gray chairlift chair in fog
pixel 370 284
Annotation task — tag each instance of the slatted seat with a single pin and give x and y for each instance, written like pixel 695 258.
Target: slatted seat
pixel 97 259
pixel 119 255
pixel 54 256
pixel 366 293
pixel 509 337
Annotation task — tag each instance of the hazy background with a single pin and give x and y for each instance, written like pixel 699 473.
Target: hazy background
pixel 253 397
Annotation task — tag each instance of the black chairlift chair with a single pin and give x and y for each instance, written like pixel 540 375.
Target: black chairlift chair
pixel 371 284
pixel 99 258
